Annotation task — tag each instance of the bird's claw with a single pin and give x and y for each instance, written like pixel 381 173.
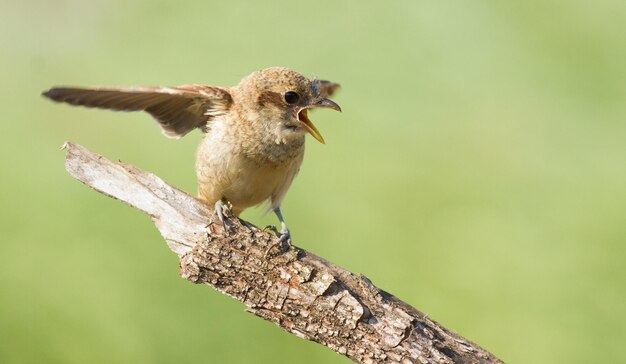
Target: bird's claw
pixel 273 229
pixel 223 214
pixel 283 234
pixel 283 243
pixel 284 237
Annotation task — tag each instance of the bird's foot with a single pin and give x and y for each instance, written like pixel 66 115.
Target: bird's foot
pixel 284 237
pixel 284 241
pixel 223 213
pixel 272 228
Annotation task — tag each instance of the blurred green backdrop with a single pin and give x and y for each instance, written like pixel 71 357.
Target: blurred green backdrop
pixel 478 171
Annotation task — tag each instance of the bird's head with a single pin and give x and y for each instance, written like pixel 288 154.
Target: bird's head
pixel 277 99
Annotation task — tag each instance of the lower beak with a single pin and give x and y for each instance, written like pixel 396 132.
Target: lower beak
pixel 303 117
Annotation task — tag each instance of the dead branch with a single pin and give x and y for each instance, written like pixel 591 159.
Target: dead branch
pixel 298 291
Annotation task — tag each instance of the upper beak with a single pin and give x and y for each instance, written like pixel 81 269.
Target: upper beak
pixel 329 104
pixel 302 116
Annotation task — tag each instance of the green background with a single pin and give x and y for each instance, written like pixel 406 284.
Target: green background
pixel 478 172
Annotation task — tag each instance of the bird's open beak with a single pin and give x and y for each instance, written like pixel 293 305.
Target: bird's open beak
pixel 302 116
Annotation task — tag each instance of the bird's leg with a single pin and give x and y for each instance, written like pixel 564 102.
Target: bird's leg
pixel 221 211
pixel 285 236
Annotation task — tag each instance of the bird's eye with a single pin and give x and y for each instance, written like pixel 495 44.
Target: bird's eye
pixel 291 97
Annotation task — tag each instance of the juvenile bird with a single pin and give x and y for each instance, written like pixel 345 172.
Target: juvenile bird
pixel 254 132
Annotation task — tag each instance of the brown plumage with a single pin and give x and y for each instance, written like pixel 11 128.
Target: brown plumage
pixel 178 110
pixel 253 142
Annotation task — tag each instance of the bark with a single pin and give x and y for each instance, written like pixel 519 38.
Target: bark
pixel 297 290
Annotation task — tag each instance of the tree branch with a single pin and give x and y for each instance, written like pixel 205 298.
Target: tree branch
pixel 298 291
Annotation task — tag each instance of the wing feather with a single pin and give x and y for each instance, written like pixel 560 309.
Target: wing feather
pixel 178 110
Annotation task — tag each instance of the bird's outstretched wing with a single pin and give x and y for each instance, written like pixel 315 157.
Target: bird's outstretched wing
pixel 178 110
pixel 328 88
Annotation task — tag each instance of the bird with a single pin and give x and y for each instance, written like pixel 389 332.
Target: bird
pixel 254 132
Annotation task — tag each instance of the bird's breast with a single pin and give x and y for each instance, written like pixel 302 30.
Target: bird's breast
pixel 228 167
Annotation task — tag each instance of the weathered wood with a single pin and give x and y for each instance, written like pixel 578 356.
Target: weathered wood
pixel 298 291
